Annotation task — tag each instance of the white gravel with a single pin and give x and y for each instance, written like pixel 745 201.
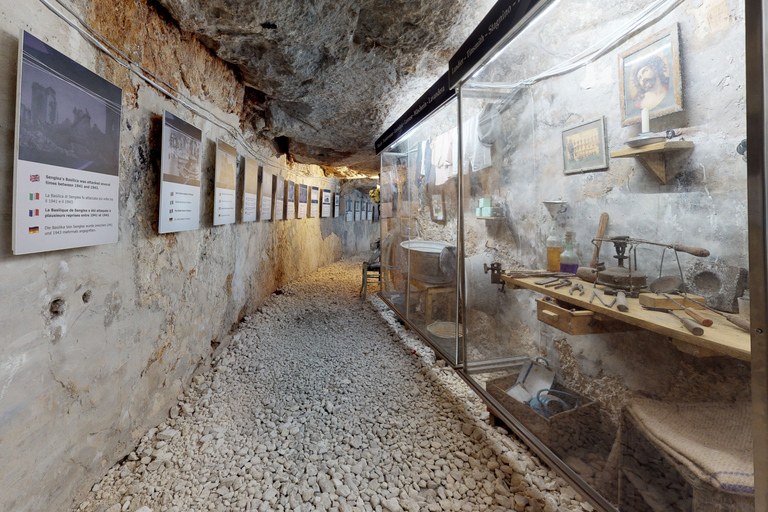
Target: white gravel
pixel 324 402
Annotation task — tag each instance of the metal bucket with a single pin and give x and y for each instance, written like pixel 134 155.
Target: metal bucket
pixel 425 261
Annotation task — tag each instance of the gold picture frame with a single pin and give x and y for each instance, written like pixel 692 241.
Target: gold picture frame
pixel 649 77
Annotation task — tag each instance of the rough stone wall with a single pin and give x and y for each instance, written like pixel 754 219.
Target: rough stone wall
pixel 78 387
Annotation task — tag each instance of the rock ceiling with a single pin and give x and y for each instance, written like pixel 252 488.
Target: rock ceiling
pixel 326 77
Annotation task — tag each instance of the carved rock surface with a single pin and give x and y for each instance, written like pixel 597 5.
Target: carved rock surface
pixel 330 75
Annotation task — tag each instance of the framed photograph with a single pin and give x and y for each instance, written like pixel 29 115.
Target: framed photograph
pixel 349 209
pixel 649 77
pixel 325 203
pixel 301 211
pixel 279 198
pixel 584 147
pixel 267 191
pixel 181 175
pixel 437 205
pixel 290 199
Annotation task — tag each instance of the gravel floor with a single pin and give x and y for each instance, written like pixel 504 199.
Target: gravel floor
pixel 324 402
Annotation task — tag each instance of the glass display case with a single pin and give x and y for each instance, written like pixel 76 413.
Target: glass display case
pixel 608 137
pixel 595 177
pixel 419 226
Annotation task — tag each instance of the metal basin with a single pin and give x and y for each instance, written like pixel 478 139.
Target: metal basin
pixel 425 261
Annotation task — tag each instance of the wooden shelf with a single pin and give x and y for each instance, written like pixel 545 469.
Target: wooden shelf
pixel 721 338
pixel 653 156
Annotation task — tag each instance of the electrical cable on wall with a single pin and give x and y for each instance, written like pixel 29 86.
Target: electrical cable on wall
pixel 101 43
pixel 648 16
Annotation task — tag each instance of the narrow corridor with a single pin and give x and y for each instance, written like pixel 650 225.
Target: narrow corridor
pixel 323 402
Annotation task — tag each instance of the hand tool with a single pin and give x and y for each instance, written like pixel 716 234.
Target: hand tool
pixel 600 234
pixel 689 324
pixel 564 282
pixel 547 281
pixel 558 284
pixel 577 287
pixel 594 294
pixel 735 320
pixel 706 322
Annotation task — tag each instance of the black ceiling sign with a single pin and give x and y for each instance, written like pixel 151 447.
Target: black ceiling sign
pixel 502 18
pixel 435 97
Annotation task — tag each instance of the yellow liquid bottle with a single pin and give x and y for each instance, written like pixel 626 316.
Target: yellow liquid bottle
pixel 553 258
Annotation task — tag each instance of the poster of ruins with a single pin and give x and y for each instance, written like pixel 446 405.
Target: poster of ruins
pixel 267 185
pixel 314 202
pixel 279 197
pixel 251 193
pixel 325 206
pixel 301 210
pixel 224 190
pixel 65 181
pixel 290 199
pixel 180 176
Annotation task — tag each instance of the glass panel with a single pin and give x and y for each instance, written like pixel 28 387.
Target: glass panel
pixel 421 170
pixel 648 413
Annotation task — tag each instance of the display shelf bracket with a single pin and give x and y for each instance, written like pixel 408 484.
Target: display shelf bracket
pixel 653 156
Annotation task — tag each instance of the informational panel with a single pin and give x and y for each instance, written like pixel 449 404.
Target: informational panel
pixel 279 198
pixel 180 176
pixel 314 202
pixel 369 209
pixel 301 210
pixel 251 195
pixel 224 191
pixel 336 204
pixel 375 213
pixel 325 203
pixel 65 184
pixel 350 209
pixel 267 184
pixel 357 210
pixel 290 199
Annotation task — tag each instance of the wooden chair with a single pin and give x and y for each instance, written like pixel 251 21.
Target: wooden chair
pixel 371 271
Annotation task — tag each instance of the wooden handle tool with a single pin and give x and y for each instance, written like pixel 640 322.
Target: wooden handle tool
pixel 735 320
pixel 621 302
pixel 706 322
pixel 694 251
pixel 601 227
pixel 689 324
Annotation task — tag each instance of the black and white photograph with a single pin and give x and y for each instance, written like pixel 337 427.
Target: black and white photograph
pixel 182 150
pixel 68 116
pixel 314 202
pixel 336 211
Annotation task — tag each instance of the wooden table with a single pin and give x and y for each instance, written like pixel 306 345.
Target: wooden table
pixel 723 338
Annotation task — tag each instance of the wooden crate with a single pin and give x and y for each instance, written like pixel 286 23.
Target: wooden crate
pixel 562 432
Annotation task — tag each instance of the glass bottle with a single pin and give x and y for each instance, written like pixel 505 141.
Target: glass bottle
pixel 569 261
pixel 554 248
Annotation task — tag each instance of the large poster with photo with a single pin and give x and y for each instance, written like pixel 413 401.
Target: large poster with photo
pixel 279 197
pixel 336 204
pixel 267 182
pixel 314 202
pixel 290 200
pixel 65 184
pixel 301 211
pixel 325 206
pixel 224 190
pixel 357 210
pixel 349 208
pixel 251 193
pixel 180 176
